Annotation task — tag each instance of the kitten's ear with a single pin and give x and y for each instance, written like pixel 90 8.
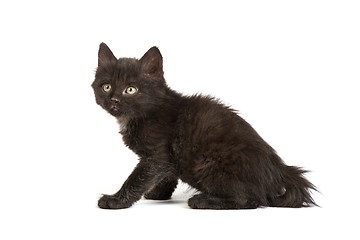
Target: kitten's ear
pixel 105 55
pixel 152 63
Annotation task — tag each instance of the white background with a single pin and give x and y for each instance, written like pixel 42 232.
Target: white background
pixel 291 68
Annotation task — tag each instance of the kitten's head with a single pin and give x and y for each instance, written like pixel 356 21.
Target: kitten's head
pixel 129 87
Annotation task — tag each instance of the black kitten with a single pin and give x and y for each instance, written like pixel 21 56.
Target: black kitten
pixel 195 139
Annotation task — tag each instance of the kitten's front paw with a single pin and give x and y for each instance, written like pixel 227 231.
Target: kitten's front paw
pixel 111 202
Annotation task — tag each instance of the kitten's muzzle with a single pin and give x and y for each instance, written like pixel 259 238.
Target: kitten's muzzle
pixel 114 105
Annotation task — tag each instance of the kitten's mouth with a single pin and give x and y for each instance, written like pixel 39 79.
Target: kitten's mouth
pixel 114 110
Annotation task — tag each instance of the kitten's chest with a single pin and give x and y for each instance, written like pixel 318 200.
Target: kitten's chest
pixel 142 138
pixel 133 139
pixel 123 124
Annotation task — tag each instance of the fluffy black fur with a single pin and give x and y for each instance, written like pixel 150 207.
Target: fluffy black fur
pixel 192 138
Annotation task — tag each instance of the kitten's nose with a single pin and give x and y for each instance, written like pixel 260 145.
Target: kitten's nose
pixel 115 100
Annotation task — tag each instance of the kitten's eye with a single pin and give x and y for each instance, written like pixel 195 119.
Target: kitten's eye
pixel 106 87
pixel 131 90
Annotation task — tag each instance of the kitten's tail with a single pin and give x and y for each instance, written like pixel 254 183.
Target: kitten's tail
pixel 298 189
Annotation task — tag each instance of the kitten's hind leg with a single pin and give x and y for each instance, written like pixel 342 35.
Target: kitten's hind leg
pixel 163 190
pixel 206 201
